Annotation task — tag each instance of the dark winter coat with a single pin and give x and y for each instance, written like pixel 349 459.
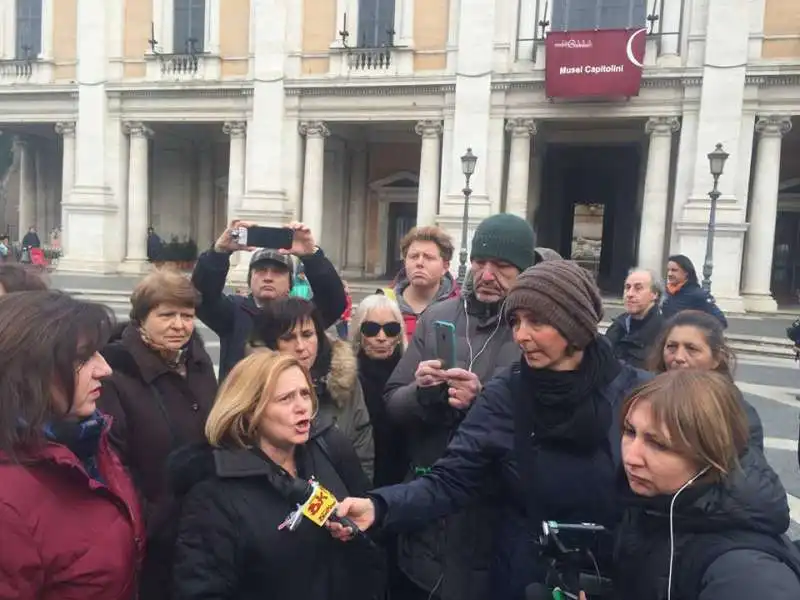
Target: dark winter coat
pixel 229 546
pixel 632 340
pixel 342 403
pixel 751 501
pixel 391 462
pixel 155 411
pixel 455 551
pixel 231 316
pixel 691 297
pixel 64 535
pixel 484 445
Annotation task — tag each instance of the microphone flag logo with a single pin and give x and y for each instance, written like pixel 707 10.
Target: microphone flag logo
pixel 320 505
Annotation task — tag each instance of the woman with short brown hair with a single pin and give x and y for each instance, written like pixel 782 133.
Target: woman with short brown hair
pixel 705 513
pixel 160 394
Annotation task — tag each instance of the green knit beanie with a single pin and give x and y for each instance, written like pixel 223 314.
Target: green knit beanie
pixel 505 237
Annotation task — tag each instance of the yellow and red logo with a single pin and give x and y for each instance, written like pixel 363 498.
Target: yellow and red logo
pixel 320 505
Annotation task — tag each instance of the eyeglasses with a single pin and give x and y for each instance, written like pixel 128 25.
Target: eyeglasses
pixel 371 328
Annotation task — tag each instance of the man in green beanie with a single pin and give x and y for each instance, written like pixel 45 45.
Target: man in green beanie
pixel 430 402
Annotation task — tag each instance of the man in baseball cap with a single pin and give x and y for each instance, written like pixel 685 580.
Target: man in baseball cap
pixel 270 276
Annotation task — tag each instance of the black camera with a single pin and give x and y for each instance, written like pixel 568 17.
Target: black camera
pixel 572 552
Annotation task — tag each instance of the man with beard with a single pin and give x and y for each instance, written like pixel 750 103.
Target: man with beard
pixel 425 277
pixel 633 332
pixel 450 559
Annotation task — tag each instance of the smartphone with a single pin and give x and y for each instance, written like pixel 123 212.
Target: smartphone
pixel 445 343
pixel 265 237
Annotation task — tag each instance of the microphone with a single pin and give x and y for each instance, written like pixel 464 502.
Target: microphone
pixel 318 505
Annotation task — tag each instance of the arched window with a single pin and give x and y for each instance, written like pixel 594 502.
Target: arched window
pixel 575 15
pixel 29 28
pixel 189 26
pixel 375 23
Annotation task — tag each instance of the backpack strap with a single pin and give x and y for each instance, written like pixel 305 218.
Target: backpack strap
pixel 699 552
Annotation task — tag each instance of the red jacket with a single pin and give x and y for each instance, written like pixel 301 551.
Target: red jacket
pixel 63 535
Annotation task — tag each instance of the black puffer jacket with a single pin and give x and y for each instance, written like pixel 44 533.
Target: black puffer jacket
pixel 751 501
pixel 229 546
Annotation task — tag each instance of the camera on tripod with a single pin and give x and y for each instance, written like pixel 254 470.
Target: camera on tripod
pixel 571 552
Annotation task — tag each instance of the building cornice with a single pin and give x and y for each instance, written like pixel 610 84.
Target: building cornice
pixel 385 89
pixel 181 91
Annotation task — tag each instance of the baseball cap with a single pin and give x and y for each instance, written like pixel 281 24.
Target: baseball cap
pixel 265 255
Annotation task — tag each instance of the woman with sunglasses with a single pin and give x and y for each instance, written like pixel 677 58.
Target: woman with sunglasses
pixel 379 341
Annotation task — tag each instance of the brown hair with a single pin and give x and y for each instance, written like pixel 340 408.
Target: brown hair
pixel 702 412
pixel 714 336
pixel 162 286
pixel 16 278
pixel 245 393
pixel 44 338
pixel 431 233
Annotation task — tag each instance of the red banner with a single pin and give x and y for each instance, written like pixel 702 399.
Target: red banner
pixel 602 63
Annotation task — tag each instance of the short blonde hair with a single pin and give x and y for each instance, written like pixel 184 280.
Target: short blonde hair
pixel 703 414
pixel 244 395
pixel 162 286
pixel 369 304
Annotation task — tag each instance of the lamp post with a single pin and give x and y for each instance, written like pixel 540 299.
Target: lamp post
pixel 716 162
pixel 468 168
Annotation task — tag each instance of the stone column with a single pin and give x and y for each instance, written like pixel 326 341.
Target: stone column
pixel 27 198
pixel 91 213
pixel 205 198
pixel 40 188
pixel 652 233
pixel 67 132
pixel 519 163
pixel 138 200
pixel 237 131
pixel 315 132
pixel 357 214
pixel 763 213
pixel 429 164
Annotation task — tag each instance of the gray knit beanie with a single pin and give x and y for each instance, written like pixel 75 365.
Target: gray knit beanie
pixel 562 294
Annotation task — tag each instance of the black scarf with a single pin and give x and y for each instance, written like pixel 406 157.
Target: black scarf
pixel 373 374
pixel 565 408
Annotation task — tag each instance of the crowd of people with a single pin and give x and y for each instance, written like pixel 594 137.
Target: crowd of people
pixel 544 456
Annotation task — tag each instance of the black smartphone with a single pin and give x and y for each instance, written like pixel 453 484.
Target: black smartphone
pixel 445 343
pixel 265 237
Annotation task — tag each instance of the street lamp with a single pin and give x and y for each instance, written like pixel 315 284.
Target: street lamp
pixel 468 168
pixel 716 163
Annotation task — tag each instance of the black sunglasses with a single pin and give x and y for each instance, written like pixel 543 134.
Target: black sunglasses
pixel 371 329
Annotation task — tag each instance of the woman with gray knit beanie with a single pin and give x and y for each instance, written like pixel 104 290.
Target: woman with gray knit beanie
pixel 548 427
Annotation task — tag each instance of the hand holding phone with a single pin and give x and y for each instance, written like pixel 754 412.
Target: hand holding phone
pixel 445 343
pixel 255 236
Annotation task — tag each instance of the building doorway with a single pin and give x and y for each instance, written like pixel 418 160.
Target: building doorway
pixel 402 218
pixel 588 210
